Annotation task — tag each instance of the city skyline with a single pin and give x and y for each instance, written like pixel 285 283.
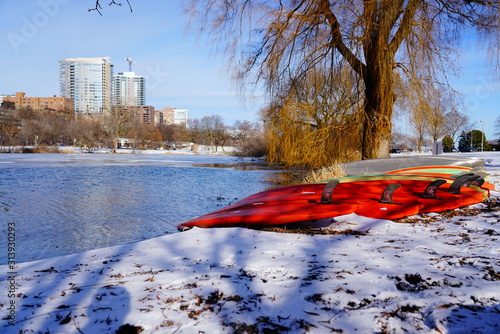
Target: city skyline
pixel 180 71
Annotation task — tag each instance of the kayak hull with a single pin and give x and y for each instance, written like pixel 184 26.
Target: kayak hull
pixel 358 194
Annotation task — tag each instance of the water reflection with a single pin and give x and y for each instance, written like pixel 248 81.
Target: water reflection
pixel 62 210
pixel 238 166
pixel 284 178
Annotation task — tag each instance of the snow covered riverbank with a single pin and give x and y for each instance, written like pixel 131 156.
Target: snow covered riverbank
pixel 438 273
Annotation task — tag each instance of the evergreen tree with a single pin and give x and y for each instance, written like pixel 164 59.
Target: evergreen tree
pixel 475 140
pixel 448 143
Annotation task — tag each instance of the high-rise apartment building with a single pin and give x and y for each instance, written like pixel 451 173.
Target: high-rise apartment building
pixel 88 82
pixel 129 89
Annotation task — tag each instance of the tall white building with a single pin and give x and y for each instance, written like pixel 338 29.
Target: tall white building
pixel 88 82
pixel 180 116
pixel 129 89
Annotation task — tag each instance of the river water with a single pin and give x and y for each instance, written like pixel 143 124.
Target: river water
pixel 65 203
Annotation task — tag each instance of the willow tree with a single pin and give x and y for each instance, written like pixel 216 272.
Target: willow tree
pixel 272 42
pixel 429 106
pixel 314 123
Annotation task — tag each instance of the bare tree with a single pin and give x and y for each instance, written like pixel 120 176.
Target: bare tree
pixel 172 134
pixel 420 127
pixel 209 130
pixel 118 123
pixel 195 131
pixel 214 131
pixel 148 136
pixel 56 128
pixel 88 132
pixel 403 141
pixel 275 42
pixel 439 105
pixel 249 138
pixel 34 130
pixel 243 131
pixel 10 124
pixel 455 122
pixel 497 128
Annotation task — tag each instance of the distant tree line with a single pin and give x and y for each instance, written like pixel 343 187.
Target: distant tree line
pixel 453 128
pixel 314 144
pixel 29 128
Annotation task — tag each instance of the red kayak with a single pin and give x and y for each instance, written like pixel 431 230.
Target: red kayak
pixel 260 215
pixel 382 196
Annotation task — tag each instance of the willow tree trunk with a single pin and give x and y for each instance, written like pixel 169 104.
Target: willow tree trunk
pixel 377 126
pixel 379 97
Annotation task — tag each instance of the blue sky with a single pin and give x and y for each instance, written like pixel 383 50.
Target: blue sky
pixel 180 71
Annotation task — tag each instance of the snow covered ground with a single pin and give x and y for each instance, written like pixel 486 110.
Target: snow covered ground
pixel 438 273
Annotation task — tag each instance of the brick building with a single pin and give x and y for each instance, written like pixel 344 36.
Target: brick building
pixel 145 114
pixel 59 104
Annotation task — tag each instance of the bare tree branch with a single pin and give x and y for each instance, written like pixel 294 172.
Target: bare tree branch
pixel 98 7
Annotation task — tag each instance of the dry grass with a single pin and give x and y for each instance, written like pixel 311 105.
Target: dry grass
pixel 41 149
pixel 295 229
pixel 335 171
pixel 291 177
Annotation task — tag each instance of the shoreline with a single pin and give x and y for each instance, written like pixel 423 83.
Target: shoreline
pixel 77 150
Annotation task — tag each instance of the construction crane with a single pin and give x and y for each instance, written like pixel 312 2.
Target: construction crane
pixel 130 62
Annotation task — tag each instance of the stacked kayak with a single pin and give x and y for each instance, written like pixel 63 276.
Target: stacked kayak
pixel 391 195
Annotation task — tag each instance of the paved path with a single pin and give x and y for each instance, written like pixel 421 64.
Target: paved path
pixel 378 166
